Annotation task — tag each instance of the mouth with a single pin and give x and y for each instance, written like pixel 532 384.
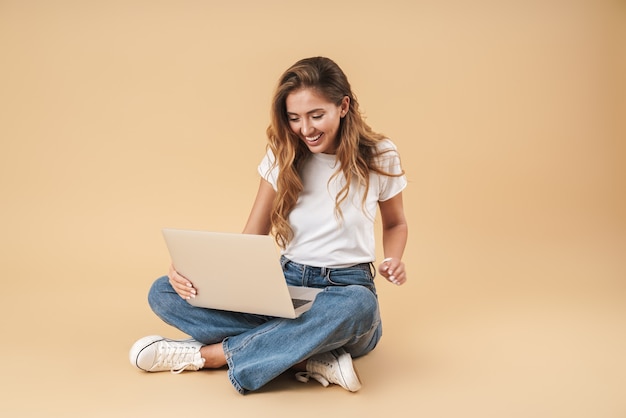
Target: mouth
pixel 313 139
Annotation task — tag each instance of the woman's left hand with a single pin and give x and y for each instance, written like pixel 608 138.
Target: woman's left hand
pixel 393 270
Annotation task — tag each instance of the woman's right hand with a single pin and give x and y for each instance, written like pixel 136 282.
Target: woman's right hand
pixel 181 285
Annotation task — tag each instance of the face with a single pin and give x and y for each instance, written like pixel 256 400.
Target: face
pixel 315 120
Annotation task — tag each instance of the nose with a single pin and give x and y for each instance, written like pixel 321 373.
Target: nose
pixel 306 128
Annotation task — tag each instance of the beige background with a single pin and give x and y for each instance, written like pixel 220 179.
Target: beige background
pixel 118 118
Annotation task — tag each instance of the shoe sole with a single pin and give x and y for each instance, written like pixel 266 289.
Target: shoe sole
pixel 344 359
pixel 141 345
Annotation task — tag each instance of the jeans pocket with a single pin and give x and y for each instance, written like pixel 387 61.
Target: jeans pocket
pixel 292 272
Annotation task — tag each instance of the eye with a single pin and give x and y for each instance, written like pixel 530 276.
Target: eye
pixel 293 119
pixel 317 116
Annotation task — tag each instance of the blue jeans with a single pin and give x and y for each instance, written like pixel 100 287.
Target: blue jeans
pixel 259 348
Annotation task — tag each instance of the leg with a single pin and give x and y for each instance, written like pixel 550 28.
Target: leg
pixel 207 327
pixel 341 316
pixel 259 348
pixel 213 356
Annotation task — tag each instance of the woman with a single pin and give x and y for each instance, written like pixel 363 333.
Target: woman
pixel 324 176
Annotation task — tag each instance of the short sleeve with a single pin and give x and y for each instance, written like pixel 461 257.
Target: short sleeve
pixel 268 170
pixel 389 162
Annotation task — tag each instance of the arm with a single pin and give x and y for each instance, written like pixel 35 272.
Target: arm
pixel 395 233
pixel 259 222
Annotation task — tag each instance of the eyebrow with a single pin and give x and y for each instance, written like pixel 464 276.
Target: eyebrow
pixel 308 113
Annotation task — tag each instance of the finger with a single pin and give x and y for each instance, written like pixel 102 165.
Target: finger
pixel 185 292
pixel 400 279
pixel 394 280
pixel 185 288
pixel 383 269
pixel 396 274
pixel 181 285
pixel 177 278
pixel 385 266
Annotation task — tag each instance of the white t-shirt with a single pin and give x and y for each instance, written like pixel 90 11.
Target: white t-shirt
pixel 322 238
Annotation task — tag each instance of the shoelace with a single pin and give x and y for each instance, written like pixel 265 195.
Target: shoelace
pixel 316 368
pixel 176 358
pixel 305 376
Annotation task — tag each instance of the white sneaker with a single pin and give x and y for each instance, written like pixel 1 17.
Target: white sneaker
pixel 157 354
pixel 332 367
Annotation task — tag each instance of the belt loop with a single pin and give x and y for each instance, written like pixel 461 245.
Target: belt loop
pixel 372 269
pixel 283 261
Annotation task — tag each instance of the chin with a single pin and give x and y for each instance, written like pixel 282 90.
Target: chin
pixel 320 150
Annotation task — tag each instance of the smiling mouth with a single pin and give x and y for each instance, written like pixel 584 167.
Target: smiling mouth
pixel 313 139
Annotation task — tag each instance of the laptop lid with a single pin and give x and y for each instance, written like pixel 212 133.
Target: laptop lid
pixel 234 272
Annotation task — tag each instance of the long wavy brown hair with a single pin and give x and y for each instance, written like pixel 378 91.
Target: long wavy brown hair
pixel 356 149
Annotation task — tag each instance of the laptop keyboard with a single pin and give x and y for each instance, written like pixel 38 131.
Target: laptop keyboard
pixel 299 302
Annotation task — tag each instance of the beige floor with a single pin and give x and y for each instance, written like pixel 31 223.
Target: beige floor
pixel 458 342
pixel 118 118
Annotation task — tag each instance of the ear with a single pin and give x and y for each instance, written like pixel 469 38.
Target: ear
pixel 344 106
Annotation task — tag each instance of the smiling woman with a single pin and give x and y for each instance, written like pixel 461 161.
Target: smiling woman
pixel 323 178
pixel 318 87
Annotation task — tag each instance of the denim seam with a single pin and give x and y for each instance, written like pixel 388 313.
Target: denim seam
pixel 374 326
pixel 231 368
pixel 230 352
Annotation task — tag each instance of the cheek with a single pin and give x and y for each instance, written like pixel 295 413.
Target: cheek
pixel 332 126
pixel 294 127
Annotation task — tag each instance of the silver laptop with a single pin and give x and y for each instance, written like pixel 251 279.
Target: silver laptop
pixel 236 272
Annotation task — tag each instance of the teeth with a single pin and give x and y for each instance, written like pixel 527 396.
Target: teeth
pixel 312 139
